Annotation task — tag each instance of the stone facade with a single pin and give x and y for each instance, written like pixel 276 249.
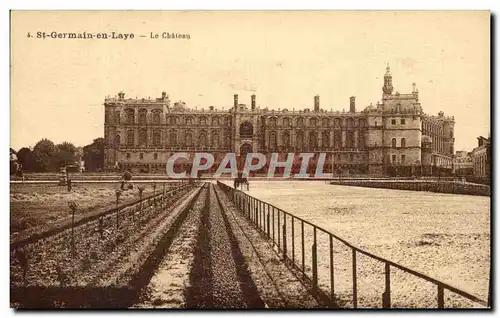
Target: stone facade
pixel 393 137
pixel 481 158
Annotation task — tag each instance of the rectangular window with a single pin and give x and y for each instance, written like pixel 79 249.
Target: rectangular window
pixel 403 157
pixel 393 121
pixel 350 157
pixel 156 156
pixel 393 158
pixel 403 121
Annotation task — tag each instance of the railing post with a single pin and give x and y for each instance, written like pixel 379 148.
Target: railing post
pixel 274 241
pixel 314 265
pixel 303 248
pixel 386 296
pixel 332 280
pixel 279 237
pixel 284 236
pixel 260 215
pixel 440 297
pixel 354 281
pixel 268 223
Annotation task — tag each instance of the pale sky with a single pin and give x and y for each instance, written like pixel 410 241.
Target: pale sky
pixel 285 58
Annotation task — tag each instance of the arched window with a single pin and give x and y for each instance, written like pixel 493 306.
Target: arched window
pixel 117 140
pixel 393 142
pixel 349 123
pixel 202 139
pixel 286 122
pixel 286 139
pixel 143 137
pixel 362 123
pixel 324 122
pixel 361 142
pixel 337 123
pixel 215 140
pixel 227 140
pixel 313 140
pixel 157 138
pixel 141 156
pixel 215 121
pixel 300 122
pixel 313 122
pixel 172 120
pixel 337 140
pixel 156 118
pixel 189 139
pixel 130 137
pixel 349 139
pixel 142 116
pixel 299 140
pixel 325 139
pixel 272 121
pixel 246 129
pixel 130 116
pixel 117 117
pixel 403 142
pixel 203 120
pixel 173 139
pixel 189 121
pixel 273 140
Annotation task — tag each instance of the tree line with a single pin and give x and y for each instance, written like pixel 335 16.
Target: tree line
pixel 49 157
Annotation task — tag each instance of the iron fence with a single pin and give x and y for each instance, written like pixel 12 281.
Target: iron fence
pixel 322 256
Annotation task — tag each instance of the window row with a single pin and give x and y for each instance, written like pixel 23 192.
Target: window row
pixel 394 143
pixel 394 159
pixel 402 121
pixel 141 156
pixel 173 139
pixel 156 115
pixel 314 122
pixel 314 140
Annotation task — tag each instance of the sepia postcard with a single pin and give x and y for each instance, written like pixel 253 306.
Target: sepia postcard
pixel 250 160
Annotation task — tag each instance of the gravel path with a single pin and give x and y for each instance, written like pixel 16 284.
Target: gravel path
pixel 219 278
pixel 168 286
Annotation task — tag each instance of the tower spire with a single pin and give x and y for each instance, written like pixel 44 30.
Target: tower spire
pixel 387 89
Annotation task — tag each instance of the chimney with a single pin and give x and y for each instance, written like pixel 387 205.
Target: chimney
pixel 163 95
pixel 316 103
pixel 352 104
pixel 253 101
pixel 121 95
pixel 235 101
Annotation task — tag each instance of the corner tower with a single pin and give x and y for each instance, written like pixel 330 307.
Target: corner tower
pixel 387 89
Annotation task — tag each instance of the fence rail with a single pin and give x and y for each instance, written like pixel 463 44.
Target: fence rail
pixel 280 227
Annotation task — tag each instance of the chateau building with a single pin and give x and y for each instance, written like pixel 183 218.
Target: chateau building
pixel 393 137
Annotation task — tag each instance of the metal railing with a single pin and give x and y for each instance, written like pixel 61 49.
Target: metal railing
pixel 292 236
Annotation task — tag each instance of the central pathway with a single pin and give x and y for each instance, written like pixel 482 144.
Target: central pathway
pixel 219 278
